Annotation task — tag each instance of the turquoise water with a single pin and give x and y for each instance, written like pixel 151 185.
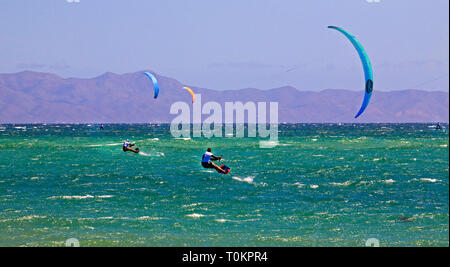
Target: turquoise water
pixel 324 185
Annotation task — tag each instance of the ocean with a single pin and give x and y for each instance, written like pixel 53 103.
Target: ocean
pixel 323 185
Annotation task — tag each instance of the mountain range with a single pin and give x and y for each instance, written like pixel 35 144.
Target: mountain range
pixel 35 97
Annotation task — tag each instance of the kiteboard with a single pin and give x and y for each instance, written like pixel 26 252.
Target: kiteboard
pixel 130 149
pixel 225 169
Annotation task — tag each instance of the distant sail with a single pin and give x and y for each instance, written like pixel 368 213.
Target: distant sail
pixel 155 83
pixel 191 92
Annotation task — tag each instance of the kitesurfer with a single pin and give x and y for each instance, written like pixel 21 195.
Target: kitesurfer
pixel 207 158
pixel 438 126
pixel 127 147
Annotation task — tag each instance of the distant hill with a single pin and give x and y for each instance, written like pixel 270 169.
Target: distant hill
pixel 33 97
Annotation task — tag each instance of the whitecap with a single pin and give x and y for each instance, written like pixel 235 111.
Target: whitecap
pixel 31 217
pixel 429 180
pixel 285 144
pixel 105 218
pixel 149 218
pixel 191 205
pixel 268 144
pixel 426 180
pixel 71 197
pixel 347 183
pixel 195 215
pixel 297 184
pixel 77 197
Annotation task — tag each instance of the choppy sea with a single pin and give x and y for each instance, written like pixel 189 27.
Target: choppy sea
pixel 322 185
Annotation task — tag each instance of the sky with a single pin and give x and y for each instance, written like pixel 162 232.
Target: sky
pixel 232 44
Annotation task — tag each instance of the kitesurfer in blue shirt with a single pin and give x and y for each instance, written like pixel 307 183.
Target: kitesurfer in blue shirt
pixel 127 147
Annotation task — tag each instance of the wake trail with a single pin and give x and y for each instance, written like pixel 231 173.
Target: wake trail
pixel 98 145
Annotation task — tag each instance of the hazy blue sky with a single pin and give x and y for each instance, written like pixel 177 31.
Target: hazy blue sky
pixel 232 44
